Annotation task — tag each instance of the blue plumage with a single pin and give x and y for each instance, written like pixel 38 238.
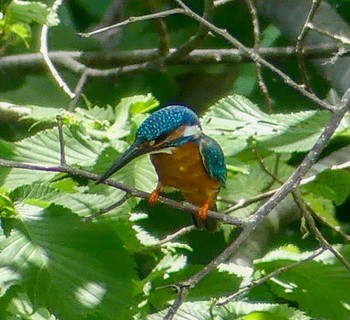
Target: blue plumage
pixel 165 121
pixel 184 158
pixel 213 158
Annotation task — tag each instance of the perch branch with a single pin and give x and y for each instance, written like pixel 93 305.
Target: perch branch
pixel 183 206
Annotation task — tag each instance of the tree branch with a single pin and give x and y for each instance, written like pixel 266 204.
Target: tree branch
pixel 77 61
pixel 183 206
pixel 130 20
pixel 255 57
pixel 258 282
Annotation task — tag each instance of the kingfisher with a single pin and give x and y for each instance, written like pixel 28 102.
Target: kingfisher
pixel 184 158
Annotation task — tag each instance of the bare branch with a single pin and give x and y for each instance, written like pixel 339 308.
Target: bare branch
pixel 195 40
pixel 183 206
pixel 255 58
pixel 164 41
pixel 176 234
pixel 78 90
pixel 258 282
pixel 44 51
pixel 300 41
pixel 108 209
pixel 78 61
pixel 256 29
pixel 318 235
pixel 242 203
pixel 130 20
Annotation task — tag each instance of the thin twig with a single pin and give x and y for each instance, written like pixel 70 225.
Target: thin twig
pixel 265 169
pixel 78 90
pixel 337 229
pixel 300 41
pixel 258 282
pixel 242 203
pixel 181 205
pixel 342 39
pixel 256 31
pixel 130 20
pixel 318 235
pixel 176 234
pixel 44 51
pixel 255 57
pixel 195 40
pixel 164 41
pixel 108 209
pixel 32 62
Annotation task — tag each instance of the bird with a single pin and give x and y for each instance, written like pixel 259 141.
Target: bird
pixel 184 158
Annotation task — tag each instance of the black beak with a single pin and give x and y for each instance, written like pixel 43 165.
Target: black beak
pixel 133 152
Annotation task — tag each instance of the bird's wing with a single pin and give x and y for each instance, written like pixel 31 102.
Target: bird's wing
pixel 213 158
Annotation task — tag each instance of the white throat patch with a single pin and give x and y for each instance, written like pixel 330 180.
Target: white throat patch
pixel 194 131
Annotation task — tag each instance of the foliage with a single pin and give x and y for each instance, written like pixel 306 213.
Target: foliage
pixel 60 258
pixel 19 15
pixel 52 260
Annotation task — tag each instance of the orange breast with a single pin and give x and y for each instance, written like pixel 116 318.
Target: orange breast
pixel 184 170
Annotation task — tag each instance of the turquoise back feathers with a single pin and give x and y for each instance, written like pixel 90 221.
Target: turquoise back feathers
pixel 213 158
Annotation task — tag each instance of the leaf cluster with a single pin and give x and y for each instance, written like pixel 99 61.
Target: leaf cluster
pixel 17 17
pixel 53 265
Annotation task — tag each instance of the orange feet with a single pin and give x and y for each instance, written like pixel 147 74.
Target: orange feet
pixel 153 198
pixel 202 212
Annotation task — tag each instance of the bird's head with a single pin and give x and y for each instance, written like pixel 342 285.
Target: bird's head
pixel 162 131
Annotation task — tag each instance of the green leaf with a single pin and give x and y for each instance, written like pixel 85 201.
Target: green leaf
pixel 324 208
pixel 21 306
pixel 258 311
pixel 188 311
pixel 143 104
pixel 234 120
pixel 42 114
pixel 204 310
pixel 21 30
pixel 30 11
pixel 6 205
pixel 320 287
pixel 73 268
pixel 84 202
pixel 43 148
pixel 139 173
pixel 331 184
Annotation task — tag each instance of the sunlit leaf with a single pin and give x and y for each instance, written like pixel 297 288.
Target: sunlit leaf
pixel 234 120
pixel 76 266
pixel 44 149
pixel 320 287
pixel 30 11
pixel 331 184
